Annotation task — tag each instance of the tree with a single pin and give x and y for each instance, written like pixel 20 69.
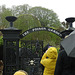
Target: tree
pixel 48 18
pixel 3 13
pixel 26 22
pixel 21 9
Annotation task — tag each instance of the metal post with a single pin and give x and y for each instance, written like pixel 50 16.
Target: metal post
pixel 70 20
pixel 10 47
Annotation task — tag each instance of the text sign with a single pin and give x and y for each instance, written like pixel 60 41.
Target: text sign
pixel 41 29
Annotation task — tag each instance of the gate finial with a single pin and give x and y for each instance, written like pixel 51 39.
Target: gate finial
pixel 11 19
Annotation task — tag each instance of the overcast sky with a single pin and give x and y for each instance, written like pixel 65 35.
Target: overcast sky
pixel 63 8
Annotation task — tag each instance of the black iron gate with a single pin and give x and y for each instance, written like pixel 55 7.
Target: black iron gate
pixel 30 55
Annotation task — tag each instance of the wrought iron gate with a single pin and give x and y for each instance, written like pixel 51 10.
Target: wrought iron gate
pixel 30 55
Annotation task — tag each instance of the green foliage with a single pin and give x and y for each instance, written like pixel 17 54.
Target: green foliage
pixel 58 49
pixel 20 10
pixel 45 36
pixel 26 22
pixel 3 13
pixel 1 40
pixel 48 18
